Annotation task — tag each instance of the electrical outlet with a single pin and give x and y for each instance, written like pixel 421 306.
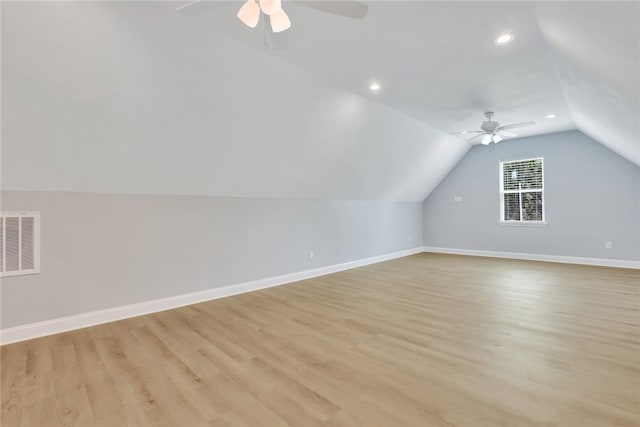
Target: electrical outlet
pixel 311 254
pixel 457 199
pixel 410 239
pixel 608 244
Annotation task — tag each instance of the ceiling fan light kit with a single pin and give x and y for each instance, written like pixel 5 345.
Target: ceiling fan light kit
pixel 279 21
pixel 271 7
pixel 249 14
pixel 488 139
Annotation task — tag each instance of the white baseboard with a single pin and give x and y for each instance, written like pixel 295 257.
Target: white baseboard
pixel 601 262
pixel 64 324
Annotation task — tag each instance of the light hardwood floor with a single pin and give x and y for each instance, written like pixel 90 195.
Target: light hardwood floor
pixel 426 340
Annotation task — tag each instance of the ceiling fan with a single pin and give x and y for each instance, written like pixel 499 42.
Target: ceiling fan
pixel 278 20
pixel 491 131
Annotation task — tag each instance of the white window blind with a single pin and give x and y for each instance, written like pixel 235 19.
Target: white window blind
pixel 522 191
pixel 20 248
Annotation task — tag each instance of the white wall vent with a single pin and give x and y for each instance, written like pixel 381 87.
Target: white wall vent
pixel 20 237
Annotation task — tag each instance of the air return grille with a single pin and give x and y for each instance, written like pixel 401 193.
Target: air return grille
pixel 20 249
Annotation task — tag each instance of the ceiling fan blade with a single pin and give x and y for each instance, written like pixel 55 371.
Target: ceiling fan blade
pixel 464 132
pixel 507 133
pixel 476 137
pixel 516 125
pixel 186 5
pixel 197 7
pixel 348 8
pixel 278 41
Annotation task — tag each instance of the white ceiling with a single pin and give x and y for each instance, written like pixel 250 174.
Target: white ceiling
pixel 134 97
pixel 436 61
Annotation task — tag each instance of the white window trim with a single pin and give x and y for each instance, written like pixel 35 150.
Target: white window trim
pixel 523 223
pixel 502 192
pixel 36 243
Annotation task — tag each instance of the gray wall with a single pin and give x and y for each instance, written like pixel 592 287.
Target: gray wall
pixel 592 195
pixel 106 250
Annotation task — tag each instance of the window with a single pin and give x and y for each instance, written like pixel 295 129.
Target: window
pixel 522 191
pixel 20 248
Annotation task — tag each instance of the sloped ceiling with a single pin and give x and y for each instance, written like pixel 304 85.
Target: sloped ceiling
pixel 436 62
pixel 133 97
pixel 599 70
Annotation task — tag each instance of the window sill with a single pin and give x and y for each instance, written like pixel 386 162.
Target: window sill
pixel 523 223
pixel 19 273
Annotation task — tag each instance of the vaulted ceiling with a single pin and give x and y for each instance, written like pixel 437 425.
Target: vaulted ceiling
pixel 436 62
pixel 134 97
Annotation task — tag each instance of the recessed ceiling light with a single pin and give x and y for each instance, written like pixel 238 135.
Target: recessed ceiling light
pixel 551 116
pixel 503 39
pixel 374 86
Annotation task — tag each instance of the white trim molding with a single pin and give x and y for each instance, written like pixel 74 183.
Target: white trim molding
pixel 600 262
pixel 64 324
pixel 523 223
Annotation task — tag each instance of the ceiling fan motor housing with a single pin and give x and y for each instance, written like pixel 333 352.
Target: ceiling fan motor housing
pixel 489 126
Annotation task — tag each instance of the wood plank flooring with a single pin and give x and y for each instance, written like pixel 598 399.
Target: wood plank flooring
pixel 426 340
